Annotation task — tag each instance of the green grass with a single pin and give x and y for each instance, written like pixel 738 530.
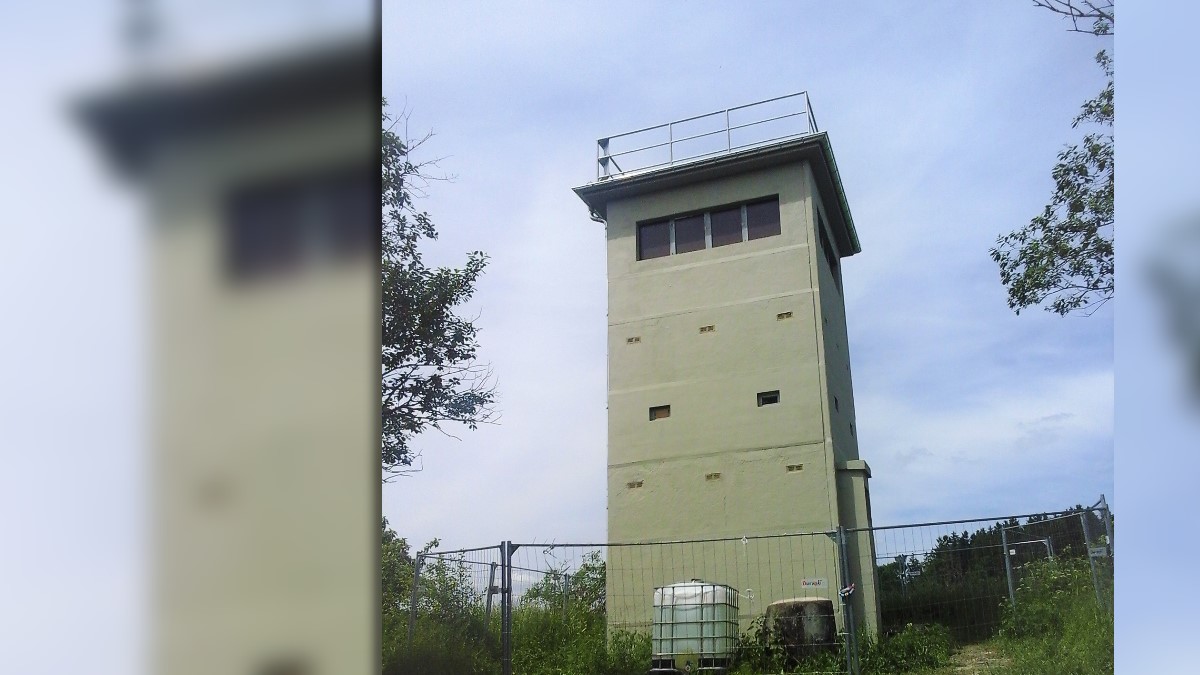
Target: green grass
pixel 1058 626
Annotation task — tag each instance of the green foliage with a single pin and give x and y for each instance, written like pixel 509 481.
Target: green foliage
pixel 760 650
pixel 912 649
pixel 1058 627
pixel 961 583
pixel 915 648
pixel 430 376
pixel 1064 256
pixel 560 625
pixel 549 638
pixel 584 587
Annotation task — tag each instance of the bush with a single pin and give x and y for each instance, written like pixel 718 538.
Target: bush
pixel 544 643
pixel 441 648
pixel 913 649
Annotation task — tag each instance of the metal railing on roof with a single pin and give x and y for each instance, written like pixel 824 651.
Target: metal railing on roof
pixel 712 134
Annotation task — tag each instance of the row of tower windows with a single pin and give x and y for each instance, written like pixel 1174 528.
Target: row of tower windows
pixel 714 476
pixel 711 328
pixel 709 229
pixel 659 412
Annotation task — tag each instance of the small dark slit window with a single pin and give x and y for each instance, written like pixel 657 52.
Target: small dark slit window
pixel 659 412
pixel 768 398
pixel 836 404
pixel 831 257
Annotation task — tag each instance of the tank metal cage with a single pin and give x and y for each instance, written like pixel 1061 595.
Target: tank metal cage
pixel 695 628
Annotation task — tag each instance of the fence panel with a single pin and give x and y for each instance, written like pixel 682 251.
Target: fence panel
pixel 452 615
pixel 967 575
pixel 577 601
pixel 759 601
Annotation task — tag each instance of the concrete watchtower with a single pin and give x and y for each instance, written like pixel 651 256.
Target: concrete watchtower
pixel 730 404
pixel 261 179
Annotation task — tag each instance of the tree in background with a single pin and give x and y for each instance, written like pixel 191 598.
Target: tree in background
pixel 430 372
pixel 1064 257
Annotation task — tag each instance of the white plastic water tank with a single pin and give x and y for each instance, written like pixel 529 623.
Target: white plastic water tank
pixel 695 624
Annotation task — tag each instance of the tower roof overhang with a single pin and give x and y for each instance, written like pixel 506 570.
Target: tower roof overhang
pixel 132 120
pixel 812 148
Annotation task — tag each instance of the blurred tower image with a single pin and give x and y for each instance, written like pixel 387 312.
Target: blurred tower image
pixel 730 403
pixel 261 184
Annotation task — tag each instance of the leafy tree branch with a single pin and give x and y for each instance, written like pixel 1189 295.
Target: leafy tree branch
pixel 1063 259
pixel 430 375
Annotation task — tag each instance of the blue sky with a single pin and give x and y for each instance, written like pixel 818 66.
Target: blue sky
pixel 945 118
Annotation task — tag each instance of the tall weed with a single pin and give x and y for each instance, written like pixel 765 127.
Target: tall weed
pixel 1058 626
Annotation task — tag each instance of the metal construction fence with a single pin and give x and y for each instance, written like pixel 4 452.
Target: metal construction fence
pixel 963 574
pixel 537 607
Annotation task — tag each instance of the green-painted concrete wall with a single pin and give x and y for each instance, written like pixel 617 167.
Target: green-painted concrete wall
pixel 260 420
pixel 661 473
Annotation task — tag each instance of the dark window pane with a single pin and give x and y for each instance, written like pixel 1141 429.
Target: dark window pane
pixel 277 227
pixel 762 219
pixel 264 233
pixel 726 227
pixel 353 205
pixel 689 234
pixel 654 240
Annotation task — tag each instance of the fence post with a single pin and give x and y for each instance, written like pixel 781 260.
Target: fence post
pixel 847 607
pixel 566 593
pixel 1087 546
pixel 506 601
pixel 491 590
pixel 505 595
pixel 1108 529
pixel 412 603
pixel 1012 596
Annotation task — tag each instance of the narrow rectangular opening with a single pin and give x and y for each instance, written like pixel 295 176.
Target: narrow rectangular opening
pixel 633 340
pixel 793 468
pixel 659 412
pixel 707 329
pixel 831 256
pixel 783 315
pixel 715 475
pixel 768 398
pixel 633 484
